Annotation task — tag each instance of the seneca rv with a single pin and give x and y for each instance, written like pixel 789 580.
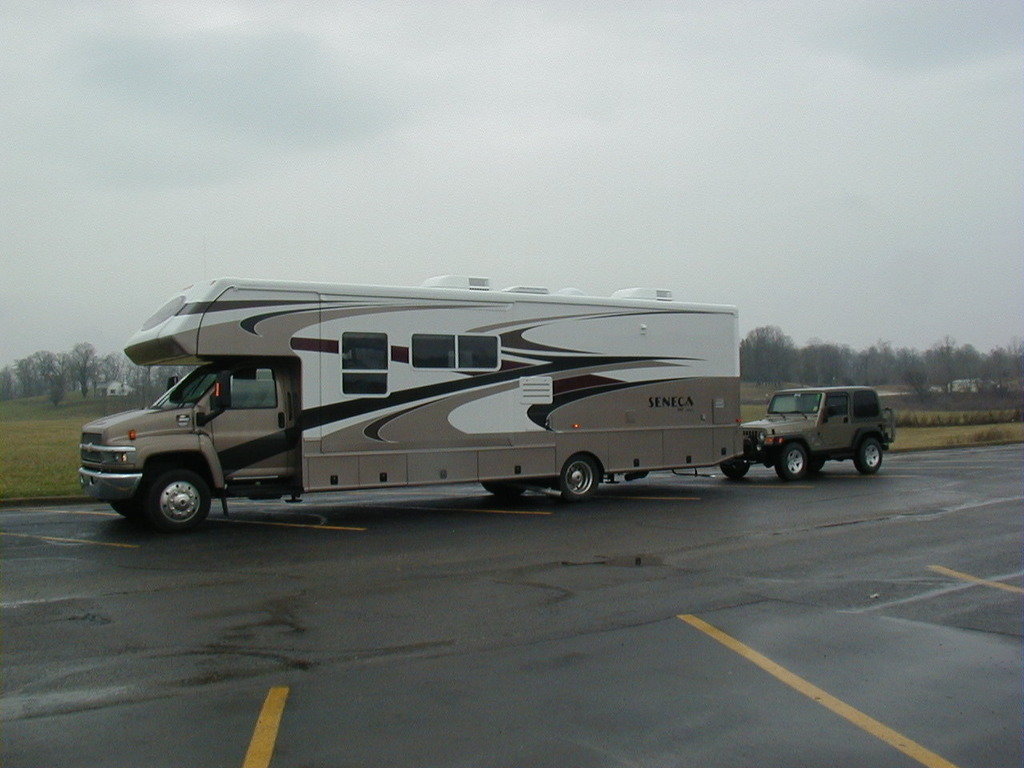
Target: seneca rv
pixel 310 387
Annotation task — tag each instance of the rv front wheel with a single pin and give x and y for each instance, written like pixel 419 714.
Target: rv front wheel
pixel 579 478
pixel 177 500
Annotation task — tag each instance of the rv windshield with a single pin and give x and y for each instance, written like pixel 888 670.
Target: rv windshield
pixel 795 402
pixel 188 390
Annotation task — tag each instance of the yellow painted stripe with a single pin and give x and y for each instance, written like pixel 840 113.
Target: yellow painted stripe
pixel 84 512
pixel 780 486
pixel 478 511
pixel 314 526
pixel 975 580
pixel 261 748
pixel 870 725
pixel 59 540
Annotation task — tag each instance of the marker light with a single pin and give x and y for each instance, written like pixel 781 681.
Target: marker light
pixel 132 434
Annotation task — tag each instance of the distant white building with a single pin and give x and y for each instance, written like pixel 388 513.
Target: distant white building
pixel 115 389
pixel 966 385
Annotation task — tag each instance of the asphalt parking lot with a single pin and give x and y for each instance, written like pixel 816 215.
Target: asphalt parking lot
pixel 674 621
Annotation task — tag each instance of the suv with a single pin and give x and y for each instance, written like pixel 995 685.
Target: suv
pixel 805 428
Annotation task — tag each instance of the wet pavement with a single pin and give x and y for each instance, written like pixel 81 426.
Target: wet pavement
pixel 671 621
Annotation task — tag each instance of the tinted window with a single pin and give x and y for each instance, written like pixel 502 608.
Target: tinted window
pixel 478 351
pixel 253 388
pixel 865 404
pixel 364 351
pixel 431 350
pixel 364 363
pixel 837 404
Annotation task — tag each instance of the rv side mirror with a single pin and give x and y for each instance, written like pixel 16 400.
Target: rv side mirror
pixel 172 380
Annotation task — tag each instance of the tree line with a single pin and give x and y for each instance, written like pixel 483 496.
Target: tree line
pixel 56 374
pixel 769 356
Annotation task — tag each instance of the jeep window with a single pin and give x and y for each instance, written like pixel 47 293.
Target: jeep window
pixel 865 404
pixel 188 390
pixel 795 402
pixel 837 404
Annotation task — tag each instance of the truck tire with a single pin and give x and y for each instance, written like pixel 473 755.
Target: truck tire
pixel 735 469
pixel 579 477
pixel 177 500
pixel 868 457
pixel 792 462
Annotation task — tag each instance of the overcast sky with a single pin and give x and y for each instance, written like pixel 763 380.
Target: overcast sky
pixel 846 170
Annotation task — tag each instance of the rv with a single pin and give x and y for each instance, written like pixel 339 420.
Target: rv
pixel 304 387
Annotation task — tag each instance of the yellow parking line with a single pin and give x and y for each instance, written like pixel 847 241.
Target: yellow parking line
pixel 314 526
pixel 870 725
pixel 975 580
pixel 59 540
pixel 261 748
pixel 478 511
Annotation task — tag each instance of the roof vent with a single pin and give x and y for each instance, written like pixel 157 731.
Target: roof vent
pixel 653 294
pixel 458 281
pixel 537 291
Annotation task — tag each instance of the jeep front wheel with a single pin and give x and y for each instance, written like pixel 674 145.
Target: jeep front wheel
pixel 791 463
pixel 177 500
pixel 869 456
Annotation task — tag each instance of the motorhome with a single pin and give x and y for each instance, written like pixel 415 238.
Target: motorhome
pixel 304 387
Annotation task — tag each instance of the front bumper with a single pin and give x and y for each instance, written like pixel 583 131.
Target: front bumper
pixel 109 486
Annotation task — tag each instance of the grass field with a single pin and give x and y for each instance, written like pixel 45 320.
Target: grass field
pixel 39 443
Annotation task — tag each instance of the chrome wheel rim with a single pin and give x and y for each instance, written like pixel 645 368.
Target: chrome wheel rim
pixel 180 501
pixel 795 461
pixel 579 477
pixel 872 455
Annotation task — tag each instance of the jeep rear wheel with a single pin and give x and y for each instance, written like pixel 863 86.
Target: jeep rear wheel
pixel 869 456
pixel 792 463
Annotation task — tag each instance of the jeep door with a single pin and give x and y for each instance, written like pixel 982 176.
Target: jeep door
pixel 835 432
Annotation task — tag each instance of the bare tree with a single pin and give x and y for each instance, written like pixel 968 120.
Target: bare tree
pixel 767 356
pixel 83 366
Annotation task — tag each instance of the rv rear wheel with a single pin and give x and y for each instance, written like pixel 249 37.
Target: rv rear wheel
pixel 579 478
pixel 177 500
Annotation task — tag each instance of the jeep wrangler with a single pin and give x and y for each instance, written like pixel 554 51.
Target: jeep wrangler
pixel 805 428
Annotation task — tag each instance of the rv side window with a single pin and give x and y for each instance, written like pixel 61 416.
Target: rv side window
pixel 431 350
pixel 253 388
pixel 478 352
pixel 364 363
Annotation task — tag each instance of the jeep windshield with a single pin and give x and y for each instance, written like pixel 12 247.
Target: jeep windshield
pixel 187 391
pixel 795 402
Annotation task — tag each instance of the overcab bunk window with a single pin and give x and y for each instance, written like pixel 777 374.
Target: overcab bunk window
pixel 364 363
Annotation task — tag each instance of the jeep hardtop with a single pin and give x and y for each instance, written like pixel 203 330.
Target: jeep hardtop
pixel 804 428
